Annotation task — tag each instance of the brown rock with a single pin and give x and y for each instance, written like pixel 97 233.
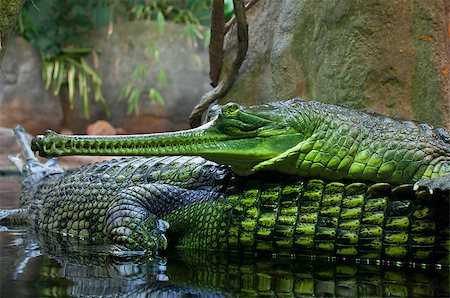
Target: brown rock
pixel 100 127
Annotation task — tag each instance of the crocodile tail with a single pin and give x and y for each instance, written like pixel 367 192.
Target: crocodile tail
pixel 32 168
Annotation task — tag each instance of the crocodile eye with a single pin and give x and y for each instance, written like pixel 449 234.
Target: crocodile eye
pixel 230 109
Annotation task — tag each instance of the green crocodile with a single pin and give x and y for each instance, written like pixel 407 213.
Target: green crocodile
pixel 304 138
pixel 129 203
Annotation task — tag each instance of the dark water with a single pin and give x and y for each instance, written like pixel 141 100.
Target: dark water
pixel 52 266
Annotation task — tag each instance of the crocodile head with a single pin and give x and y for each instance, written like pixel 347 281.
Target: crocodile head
pixel 234 135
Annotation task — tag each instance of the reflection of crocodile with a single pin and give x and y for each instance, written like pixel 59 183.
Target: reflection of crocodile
pixel 308 139
pixel 70 269
pixel 208 207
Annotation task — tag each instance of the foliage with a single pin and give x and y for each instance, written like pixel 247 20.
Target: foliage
pixel 70 66
pixel 57 28
pixel 195 14
pixel 229 9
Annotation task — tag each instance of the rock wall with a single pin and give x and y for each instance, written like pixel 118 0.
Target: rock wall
pixel 23 98
pixel 387 56
pixel 119 52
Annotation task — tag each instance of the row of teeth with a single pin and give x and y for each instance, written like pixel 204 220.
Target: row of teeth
pixel 67 146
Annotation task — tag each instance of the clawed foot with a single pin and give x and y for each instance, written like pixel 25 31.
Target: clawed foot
pixel 439 184
pixel 161 228
pixel 140 243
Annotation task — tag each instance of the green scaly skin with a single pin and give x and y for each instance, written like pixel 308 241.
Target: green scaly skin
pixel 127 203
pixel 308 139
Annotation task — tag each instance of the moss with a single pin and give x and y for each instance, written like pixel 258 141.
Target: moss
pixel 9 12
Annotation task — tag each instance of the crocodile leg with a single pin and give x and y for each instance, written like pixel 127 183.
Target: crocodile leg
pixel 131 223
pixel 439 183
pixel 134 218
pixel 297 149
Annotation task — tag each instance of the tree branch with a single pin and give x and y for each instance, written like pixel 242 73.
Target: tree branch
pixel 216 43
pixel 225 83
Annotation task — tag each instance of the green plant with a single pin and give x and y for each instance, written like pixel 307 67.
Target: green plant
pixel 190 13
pixel 57 28
pixel 71 68
pixel 133 90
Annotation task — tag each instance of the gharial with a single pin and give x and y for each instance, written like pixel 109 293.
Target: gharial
pixel 296 137
pixel 130 201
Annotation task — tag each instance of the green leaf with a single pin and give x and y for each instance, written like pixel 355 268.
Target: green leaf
pixel 162 78
pixel 160 22
pixel 156 55
pixel 59 78
pixel 152 50
pixel 126 90
pixel 133 102
pixel 55 69
pixel 48 67
pixel 138 11
pixel 82 90
pixel 140 72
pixel 206 38
pixel 155 95
pixel 89 71
pixel 229 9
pixel 71 84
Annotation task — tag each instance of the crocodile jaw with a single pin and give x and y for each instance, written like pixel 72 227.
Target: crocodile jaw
pixel 241 153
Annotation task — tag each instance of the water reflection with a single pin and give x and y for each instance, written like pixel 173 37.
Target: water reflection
pixel 46 265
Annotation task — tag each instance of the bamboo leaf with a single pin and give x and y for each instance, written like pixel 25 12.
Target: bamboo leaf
pixel 140 72
pixel 156 54
pixel 147 11
pixel 89 71
pixel 160 22
pixel 73 61
pixel 48 66
pixel 133 104
pixel 71 84
pixel 125 92
pixel 155 95
pixel 99 98
pixel 139 10
pixel 59 79
pixel 207 38
pixel 105 106
pixel 85 99
pixel 82 90
pixel 55 69
pixel 162 78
